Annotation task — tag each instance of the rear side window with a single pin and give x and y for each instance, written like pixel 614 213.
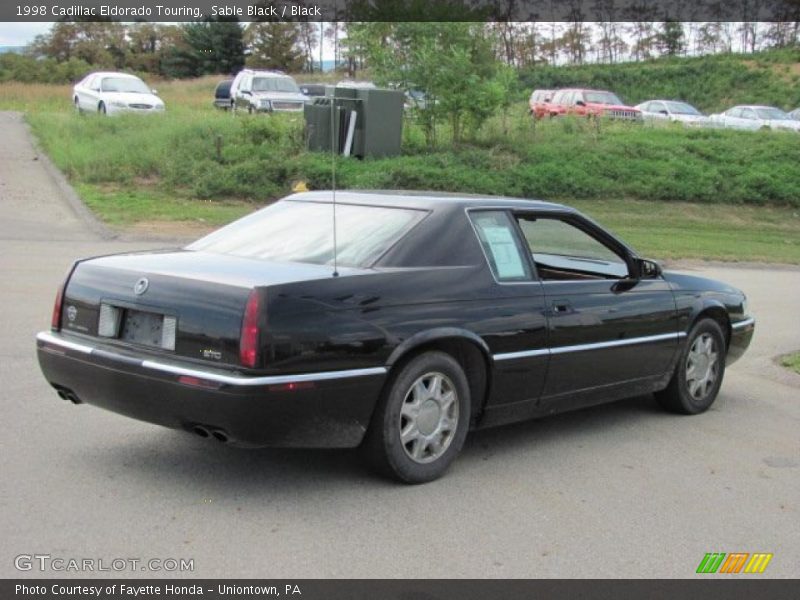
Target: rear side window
pixel 224 89
pixel 497 234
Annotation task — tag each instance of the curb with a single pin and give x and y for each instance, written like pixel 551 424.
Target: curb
pixel 70 195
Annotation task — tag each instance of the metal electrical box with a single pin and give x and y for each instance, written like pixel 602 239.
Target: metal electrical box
pixel 367 122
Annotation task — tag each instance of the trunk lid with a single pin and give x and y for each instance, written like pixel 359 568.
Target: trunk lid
pixel 180 303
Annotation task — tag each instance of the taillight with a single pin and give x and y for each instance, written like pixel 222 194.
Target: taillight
pixel 248 342
pixel 55 322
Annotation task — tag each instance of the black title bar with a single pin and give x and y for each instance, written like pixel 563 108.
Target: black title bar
pixel 711 588
pixel 401 10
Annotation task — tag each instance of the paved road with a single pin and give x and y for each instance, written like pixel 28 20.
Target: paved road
pixel 617 491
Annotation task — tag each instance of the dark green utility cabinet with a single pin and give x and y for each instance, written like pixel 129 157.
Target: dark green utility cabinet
pixel 375 117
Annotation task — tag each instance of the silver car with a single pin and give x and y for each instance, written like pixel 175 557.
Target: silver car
pixel 674 111
pixel 752 118
pixel 255 90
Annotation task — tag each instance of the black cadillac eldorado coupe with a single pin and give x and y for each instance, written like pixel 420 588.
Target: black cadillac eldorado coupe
pixel 435 315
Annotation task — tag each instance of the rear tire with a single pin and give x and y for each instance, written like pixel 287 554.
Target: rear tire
pixel 421 422
pixel 698 375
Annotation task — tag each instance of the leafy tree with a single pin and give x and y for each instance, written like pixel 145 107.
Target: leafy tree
pixel 212 46
pixel 453 64
pixel 274 45
pixel 99 43
pixel 307 32
pixel 149 44
pixel 670 39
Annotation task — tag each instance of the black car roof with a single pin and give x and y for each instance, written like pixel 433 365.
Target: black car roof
pixel 427 200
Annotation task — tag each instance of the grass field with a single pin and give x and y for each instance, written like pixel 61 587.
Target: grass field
pixel 792 361
pixel 669 192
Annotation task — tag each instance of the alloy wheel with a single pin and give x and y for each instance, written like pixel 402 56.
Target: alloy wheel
pixel 428 417
pixel 702 366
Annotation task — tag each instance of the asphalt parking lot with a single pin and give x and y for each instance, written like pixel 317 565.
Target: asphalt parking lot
pixel 624 490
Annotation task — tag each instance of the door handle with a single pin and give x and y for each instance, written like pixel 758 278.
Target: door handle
pixel 561 307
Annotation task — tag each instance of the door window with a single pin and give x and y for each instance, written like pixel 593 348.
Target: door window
pixel 563 251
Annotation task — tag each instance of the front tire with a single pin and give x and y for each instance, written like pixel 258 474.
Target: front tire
pixel 698 376
pixel 420 424
pixel 101 108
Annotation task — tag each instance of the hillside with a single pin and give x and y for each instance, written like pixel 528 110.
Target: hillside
pixel 712 83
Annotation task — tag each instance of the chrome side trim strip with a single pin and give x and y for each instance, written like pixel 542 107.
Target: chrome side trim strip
pixel 593 346
pixel 51 339
pixel 522 354
pixel 743 324
pixel 268 380
pixel 615 343
pixel 239 380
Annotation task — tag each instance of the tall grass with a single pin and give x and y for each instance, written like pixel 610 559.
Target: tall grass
pixel 212 154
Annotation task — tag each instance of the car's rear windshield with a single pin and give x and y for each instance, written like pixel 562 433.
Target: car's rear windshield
pixel 274 84
pixel 601 98
pixel 302 231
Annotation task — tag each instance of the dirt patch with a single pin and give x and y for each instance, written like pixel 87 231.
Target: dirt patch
pixel 785 71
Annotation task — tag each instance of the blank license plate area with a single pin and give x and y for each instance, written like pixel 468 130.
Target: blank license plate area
pixel 145 328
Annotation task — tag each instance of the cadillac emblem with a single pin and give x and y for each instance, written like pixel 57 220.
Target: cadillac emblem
pixel 141 286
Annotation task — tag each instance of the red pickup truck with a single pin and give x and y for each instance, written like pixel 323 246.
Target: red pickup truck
pixel 586 103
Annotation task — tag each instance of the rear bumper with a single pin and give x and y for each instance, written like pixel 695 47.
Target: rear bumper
pixel 330 409
pixel 741 335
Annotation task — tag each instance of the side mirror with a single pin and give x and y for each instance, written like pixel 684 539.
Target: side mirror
pixel 647 269
pixel 246 93
pixel 663 112
pixel 580 103
pixel 154 91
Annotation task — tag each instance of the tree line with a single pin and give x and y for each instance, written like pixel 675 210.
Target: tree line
pixel 224 46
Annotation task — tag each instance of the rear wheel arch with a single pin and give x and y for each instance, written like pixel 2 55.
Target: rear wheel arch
pixel 467 348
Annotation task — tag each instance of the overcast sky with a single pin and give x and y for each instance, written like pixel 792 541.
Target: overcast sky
pixel 20 34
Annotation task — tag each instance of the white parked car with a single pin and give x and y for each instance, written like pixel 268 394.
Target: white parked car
pixel 755 117
pixel 111 93
pixel 356 85
pixel 658 111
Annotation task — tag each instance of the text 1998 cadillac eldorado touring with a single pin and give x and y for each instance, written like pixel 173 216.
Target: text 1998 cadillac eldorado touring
pixel 445 313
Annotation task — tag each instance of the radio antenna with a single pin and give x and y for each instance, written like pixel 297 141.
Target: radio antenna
pixel 334 150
